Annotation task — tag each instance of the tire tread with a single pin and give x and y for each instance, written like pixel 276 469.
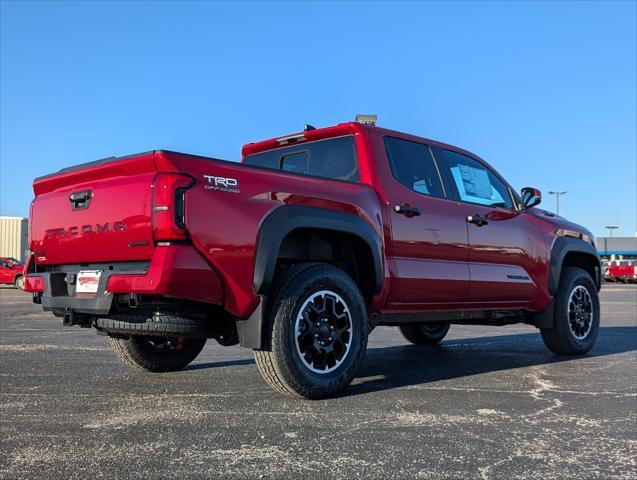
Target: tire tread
pixel 168 325
pixel 413 334
pixel 557 339
pixel 266 358
pixel 127 351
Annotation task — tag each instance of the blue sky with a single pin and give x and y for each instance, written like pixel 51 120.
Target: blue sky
pixel 545 91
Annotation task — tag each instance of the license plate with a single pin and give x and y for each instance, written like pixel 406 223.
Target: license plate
pixel 88 281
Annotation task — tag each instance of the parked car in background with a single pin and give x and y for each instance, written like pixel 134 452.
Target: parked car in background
pixel 302 249
pixel 624 271
pixel 11 272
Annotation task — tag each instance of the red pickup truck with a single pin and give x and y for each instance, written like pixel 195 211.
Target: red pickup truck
pixel 300 250
pixel 11 272
pixel 622 271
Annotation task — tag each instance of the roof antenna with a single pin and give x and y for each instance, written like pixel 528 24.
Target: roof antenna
pixel 367 119
pixel 308 127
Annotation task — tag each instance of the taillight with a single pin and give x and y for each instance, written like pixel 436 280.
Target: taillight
pixel 169 206
pixel 34 284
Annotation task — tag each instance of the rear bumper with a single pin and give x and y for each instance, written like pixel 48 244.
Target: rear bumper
pixel 175 271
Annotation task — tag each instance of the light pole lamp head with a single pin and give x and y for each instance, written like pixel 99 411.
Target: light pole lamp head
pixel 611 228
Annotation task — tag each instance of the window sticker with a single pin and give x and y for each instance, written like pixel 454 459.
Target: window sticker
pixel 474 185
pixel 476 182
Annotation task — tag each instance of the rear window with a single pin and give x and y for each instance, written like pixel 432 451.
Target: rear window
pixel 334 158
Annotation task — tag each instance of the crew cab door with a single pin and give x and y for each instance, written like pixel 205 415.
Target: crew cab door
pixel 428 230
pixel 506 248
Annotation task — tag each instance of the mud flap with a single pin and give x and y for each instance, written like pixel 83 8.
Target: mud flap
pixel 251 330
pixel 544 320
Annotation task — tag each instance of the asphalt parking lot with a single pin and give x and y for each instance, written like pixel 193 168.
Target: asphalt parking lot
pixel 488 403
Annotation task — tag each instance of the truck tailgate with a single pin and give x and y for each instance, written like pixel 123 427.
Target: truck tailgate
pixel 98 212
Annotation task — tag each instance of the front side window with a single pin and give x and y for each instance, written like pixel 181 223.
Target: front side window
pixel 412 165
pixel 333 158
pixel 475 182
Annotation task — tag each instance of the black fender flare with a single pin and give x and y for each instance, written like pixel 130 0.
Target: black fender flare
pixel 563 246
pixel 284 220
pixel 274 228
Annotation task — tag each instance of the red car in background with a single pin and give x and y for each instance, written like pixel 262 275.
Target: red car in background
pixel 622 271
pixel 11 272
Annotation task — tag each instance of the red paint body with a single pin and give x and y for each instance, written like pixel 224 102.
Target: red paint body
pixel 435 261
pixel 9 270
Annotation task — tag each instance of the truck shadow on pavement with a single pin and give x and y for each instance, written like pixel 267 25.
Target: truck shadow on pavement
pixel 400 366
pixel 225 363
pixel 387 368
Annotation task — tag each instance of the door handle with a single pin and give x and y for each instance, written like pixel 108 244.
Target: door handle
pixel 478 220
pixel 407 210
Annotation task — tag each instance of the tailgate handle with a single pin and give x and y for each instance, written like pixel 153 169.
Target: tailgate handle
pixel 80 200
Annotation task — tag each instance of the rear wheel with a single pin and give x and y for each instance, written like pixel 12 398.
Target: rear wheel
pixel 425 334
pixel 317 332
pixel 19 282
pixel 577 314
pixel 157 354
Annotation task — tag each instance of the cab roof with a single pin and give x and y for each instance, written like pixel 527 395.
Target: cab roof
pixel 348 128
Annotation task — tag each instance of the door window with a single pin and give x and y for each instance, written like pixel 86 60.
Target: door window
pixel 413 165
pixel 475 182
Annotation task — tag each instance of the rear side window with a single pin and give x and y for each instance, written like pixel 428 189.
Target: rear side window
pixel 334 158
pixel 412 165
pixel 475 182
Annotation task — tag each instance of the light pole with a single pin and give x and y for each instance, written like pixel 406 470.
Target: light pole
pixel 557 198
pixel 611 228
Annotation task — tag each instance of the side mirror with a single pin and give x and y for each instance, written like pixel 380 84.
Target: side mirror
pixel 531 197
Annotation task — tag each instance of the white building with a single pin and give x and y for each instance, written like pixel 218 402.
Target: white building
pixel 14 233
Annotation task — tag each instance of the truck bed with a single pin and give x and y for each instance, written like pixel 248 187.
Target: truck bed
pixel 223 210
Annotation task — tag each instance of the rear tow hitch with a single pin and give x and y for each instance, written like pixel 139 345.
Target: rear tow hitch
pixel 72 318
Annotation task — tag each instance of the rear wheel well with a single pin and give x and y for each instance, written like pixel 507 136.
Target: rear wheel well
pixel 585 262
pixel 346 251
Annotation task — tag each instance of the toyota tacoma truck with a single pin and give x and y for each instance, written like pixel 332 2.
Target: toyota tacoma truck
pixel 300 250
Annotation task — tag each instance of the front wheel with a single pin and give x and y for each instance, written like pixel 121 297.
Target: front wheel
pixel 19 282
pixel 316 332
pixel 577 314
pixel 156 354
pixel 424 334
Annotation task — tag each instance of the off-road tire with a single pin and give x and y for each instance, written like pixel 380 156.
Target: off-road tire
pixel 424 334
pixel 560 339
pixel 279 361
pixel 155 324
pixel 135 351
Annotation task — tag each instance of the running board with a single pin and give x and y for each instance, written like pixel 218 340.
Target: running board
pixel 462 317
